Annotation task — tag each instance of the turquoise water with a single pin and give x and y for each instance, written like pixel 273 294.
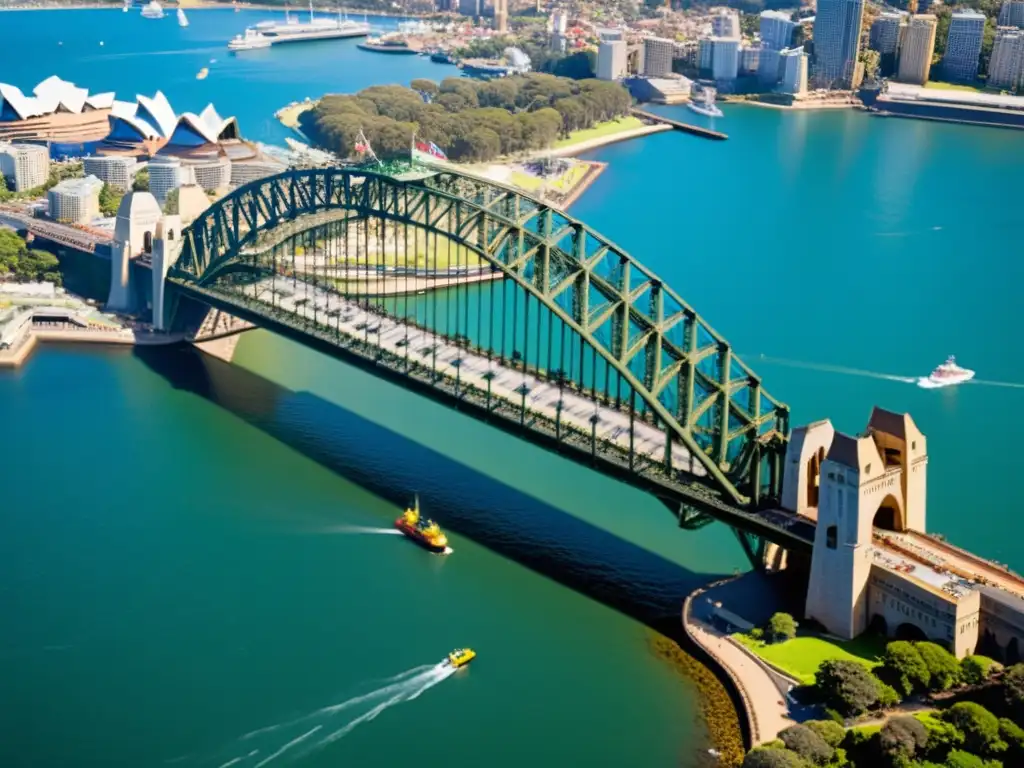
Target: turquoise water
pixel 179 554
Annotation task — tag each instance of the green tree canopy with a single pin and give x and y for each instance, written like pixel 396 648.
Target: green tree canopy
pixel 806 743
pixel 976 669
pixel 943 666
pixel 846 686
pixel 902 738
pixel 141 181
pixel 1013 687
pixel 904 669
pixel 979 726
pixel 781 627
pixel 110 200
pixel 829 730
pixel 960 759
pixel 765 757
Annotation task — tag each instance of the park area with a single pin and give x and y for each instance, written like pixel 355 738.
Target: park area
pixel 801 656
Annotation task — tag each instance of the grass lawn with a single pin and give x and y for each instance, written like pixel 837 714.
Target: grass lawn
pixel 801 656
pixel 937 86
pixel 600 130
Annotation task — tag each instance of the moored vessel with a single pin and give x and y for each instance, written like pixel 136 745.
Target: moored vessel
pixel 389 43
pixel 423 531
pixel 294 31
pixel 946 375
pixel 706 104
pixel 153 11
pixel 250 41
pixel 460 657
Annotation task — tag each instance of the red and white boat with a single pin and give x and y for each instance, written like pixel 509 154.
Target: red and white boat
pixel 946 375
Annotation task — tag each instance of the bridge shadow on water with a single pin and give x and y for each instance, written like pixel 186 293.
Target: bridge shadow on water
pixel 506 520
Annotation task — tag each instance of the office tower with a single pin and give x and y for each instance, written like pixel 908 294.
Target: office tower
pixel 725 59
pixel 658 56
pixel 776 30
pixel 725 23
pixel 24 166
pixel 884 36
pixel 768 67
pixel 469 7
pixel 963 45
pixel 750 59
pixel 793 66
pixel 1006 68
pixel 75 201
pixel 705 52
pixel 501 16
pixel 115 171
pixel 611 59
pixel 1012 14
pixel 837 43
pixel 917 49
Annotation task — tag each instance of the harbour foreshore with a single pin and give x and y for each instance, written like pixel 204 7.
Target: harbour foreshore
pixel 23 348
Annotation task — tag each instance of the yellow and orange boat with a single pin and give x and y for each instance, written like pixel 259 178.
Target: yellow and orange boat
pixel 460 657
pixel 424 532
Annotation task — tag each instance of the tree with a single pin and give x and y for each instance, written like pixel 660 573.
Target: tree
pixel 830 731
pixel 781 627
pixel 943 667
pixel 960 759
pixel 1013 735
pixel 976 669
pixel 761 757
pixel 171 202
pixel 979 726
pixel 110 200
pixel 903 668
pixel 901 738
pixel 942 737
pixel 1013 687
pixel 887 696
pixel 846 686
pixel 141 181
pixel 427 87
pixel 806 743
pixel 5 194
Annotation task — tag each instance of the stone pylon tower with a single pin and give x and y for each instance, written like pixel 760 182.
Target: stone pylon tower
pixel 134 230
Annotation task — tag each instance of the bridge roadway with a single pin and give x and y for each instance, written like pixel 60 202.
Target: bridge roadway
pixel 632 449
pixel 73 237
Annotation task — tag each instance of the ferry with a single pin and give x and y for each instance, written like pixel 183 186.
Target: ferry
pixel 250 41
pixel 295 31
pixel 706 105
pixel 460 657
pixel 946 375
pixel 153 11
pixel 390 43
pixel 424 532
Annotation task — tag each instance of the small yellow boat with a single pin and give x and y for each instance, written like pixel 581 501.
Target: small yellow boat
pixel 202 74
pixel 460 657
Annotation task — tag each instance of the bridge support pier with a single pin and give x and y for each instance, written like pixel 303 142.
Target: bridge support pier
pixel 219 333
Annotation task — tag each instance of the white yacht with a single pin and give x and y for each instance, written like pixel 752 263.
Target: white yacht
pixel 706 104
pixel 294 31
pixel 250 41
pixel 182 18
pixel 946 375
pixel 153 10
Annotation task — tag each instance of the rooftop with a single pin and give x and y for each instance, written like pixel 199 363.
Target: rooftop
pixel 85 186
pixel 906 92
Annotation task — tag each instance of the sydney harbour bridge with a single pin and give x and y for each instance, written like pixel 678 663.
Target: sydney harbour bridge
pixel 495 304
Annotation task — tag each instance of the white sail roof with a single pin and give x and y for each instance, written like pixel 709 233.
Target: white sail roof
pixel 160 110
pixel 52 95
pixel 207 123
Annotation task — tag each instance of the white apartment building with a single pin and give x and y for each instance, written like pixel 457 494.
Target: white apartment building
pixel 793 66
pixel 725 23
pixel 776 30
pixel 212 174
pixel 725 62
pixel 115 171
pixel 658 56
pixel 165 174
pixel 24 166
pixel 611 59
pixel 917 49
pixel 1006 68
pixel 75 201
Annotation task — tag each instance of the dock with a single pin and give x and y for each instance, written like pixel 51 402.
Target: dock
pixel 696 130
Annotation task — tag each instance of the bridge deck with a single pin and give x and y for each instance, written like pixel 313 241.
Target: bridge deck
pixel 624 446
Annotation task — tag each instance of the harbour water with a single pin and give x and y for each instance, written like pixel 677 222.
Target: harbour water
pixel 185 554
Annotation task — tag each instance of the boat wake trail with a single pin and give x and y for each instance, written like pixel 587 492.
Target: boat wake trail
pixel 303 735
pixel 1008 384
pixel 826 368
pixel 351 529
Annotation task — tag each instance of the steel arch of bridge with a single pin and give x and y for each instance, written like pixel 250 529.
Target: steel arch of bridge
pixel 717 407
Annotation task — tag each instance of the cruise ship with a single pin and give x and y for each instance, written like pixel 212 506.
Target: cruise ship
pixel 295 31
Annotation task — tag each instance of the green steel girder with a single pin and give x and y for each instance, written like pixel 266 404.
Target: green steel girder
pixel 591 284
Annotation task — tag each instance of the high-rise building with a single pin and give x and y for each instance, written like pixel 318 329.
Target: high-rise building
pixel 963 45
pixel 884 36
pixel 750 59
pixel 501 16
pixel 611 59
pixel 776 30
pixel 1012 14
pixel 114 170
pixel 165 174
pixel 705 54
pixel 837 43
pixel 917 49
pixel 1006 68
pixel 725 23
pixel 24 166
pixel 658 56
pixel 793 66
pixel 75 201
pixel 210 174
pixel 768 68
pixel 470 7
pixel 725 59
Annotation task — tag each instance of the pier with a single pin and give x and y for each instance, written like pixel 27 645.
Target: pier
pixel 696 130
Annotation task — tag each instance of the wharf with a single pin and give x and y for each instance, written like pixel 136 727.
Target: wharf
pixel 696 130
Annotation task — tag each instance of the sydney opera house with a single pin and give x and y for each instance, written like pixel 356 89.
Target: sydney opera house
pixel 73 122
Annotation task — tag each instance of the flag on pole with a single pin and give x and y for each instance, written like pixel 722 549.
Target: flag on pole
pixel 362 147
